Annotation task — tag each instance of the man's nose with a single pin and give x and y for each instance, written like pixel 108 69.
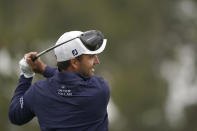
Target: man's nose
pixel 96 60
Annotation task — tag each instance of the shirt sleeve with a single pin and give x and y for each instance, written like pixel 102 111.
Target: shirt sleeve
pixel 19 111
pixel 21 105
pixel 49 71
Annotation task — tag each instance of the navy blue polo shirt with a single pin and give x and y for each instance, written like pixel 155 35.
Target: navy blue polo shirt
pixel 65 101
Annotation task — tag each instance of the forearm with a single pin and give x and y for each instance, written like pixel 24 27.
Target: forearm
pixel 37 66
pixel 23 85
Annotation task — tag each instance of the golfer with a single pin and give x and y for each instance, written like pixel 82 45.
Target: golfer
pixel 71 98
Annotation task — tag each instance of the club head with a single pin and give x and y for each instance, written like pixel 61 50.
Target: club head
pixel 92 39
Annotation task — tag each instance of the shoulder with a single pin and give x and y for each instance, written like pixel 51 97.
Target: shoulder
pixel 99 80
pixel 102 86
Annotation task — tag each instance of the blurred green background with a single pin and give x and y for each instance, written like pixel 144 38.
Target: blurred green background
pixel 149 62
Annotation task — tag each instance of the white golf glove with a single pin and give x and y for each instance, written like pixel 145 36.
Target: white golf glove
pixel 25 68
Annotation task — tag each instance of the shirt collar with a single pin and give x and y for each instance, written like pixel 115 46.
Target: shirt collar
pixel 69 77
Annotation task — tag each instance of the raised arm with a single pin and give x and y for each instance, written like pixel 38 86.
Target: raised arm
pixel 20 111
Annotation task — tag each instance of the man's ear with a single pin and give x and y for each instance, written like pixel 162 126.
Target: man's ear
pixel 74 63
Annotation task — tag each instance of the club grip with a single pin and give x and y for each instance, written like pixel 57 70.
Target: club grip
pixel 34 58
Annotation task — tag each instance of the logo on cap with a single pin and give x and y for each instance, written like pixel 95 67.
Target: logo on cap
pixel 75 52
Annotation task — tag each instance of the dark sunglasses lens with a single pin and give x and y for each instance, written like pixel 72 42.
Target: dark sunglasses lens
pixel 92 39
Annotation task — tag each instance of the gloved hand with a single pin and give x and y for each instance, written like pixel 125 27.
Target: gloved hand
pixel 25 68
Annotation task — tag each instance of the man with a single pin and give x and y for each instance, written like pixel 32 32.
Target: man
pixel 71 98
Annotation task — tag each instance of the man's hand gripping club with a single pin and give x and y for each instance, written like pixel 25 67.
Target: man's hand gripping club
pixel 29 68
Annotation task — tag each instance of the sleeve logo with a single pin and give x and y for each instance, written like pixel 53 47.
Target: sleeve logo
pixel 21 102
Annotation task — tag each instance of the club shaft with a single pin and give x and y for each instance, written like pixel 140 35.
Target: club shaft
pixel 49 49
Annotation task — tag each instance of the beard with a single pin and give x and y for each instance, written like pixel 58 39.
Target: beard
pixel 87 72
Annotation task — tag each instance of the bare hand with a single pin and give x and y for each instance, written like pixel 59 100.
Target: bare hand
pixel 37 66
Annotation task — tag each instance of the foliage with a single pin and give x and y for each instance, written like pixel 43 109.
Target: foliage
pixel 141 35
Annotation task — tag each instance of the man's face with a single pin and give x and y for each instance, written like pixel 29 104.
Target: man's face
pixel 87 63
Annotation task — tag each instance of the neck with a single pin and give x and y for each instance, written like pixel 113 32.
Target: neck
pixel 70 69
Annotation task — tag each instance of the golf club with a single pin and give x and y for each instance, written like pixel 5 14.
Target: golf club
pixel 92 39
pixel 49 49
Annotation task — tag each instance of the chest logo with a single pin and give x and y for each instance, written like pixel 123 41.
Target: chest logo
pixel 63 91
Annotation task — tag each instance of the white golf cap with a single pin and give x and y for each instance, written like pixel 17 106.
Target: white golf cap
pixel 74 47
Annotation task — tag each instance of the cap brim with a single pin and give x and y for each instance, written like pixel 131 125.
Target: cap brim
pixel 99 50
